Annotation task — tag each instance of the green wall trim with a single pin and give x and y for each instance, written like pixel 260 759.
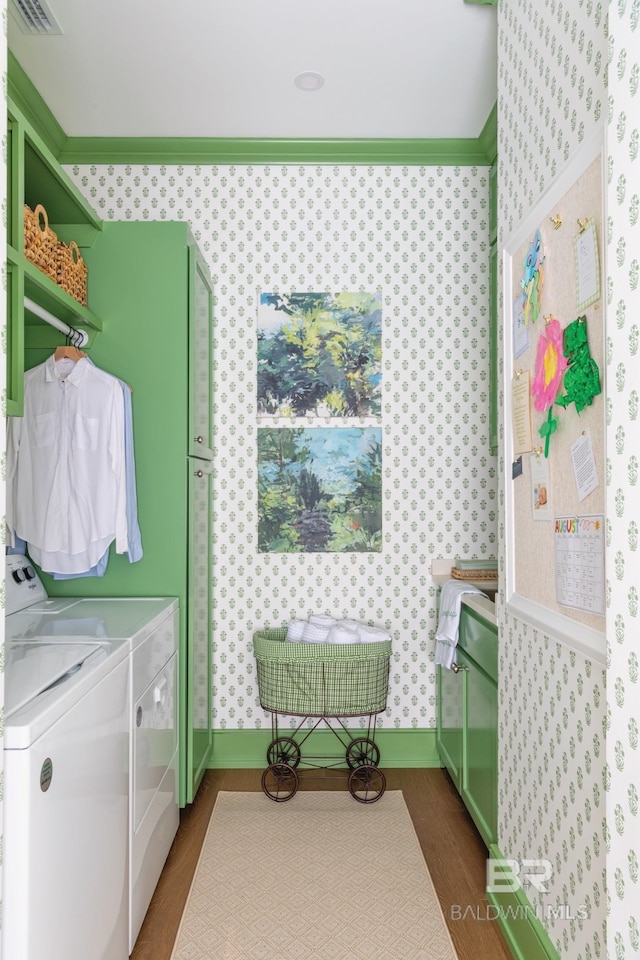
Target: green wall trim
pixel 221 150
pixel 488 139
pixel 243 749
pixel 519 923
pixel 28 100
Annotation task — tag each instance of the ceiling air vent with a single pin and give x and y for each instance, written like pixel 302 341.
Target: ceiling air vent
pixel 35 17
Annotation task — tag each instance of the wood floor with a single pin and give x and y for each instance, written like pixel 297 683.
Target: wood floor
pixel 452 848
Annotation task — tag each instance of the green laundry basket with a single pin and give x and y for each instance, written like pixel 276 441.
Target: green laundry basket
pixel 321 679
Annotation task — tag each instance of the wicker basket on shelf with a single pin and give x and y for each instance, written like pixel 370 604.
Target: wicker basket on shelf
pixel 474 574
pixel 72 272
pixel 40 242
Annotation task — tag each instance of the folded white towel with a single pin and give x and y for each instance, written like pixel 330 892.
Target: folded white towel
pixel 323 619
pixel 372 634
pixel 295 630
pixel 315 633
pixel 343 633
pixel 449 620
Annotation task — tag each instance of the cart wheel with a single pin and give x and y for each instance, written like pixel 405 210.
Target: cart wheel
pixel 279 782
pixel 283 750
pixel 367 783
pixel 362 751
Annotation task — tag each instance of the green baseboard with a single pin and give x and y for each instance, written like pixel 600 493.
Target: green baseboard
pixel 519 922
pixel 242 749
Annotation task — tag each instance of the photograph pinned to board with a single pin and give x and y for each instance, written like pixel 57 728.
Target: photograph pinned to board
pixel 521 412
pixel 319 354
pixel 587 261
pixel 579 554
pixel 540 487
pixel 584 466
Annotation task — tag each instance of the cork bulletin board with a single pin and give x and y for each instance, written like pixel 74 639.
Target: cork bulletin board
pixel 554 392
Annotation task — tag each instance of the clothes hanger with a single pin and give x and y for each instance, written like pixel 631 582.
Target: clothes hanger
pixel 68 352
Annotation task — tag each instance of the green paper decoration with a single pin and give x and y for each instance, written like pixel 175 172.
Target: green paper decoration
pixel 582 378
pixel 548 427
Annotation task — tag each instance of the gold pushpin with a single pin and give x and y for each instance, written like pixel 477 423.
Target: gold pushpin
pixel 556 221
pixel 583 224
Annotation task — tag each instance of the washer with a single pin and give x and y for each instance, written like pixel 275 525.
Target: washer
pixel 90 801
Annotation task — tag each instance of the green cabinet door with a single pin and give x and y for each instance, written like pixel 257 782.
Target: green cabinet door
pixel 198 661
pixel 150 287
pixel 449 729
pixel 480 760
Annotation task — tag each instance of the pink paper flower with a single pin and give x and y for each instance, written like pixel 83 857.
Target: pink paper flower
pixel 550 366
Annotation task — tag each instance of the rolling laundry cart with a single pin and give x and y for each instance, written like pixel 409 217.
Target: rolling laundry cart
pixel 327 683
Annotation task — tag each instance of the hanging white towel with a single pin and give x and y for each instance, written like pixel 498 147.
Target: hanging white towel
pixel 449 620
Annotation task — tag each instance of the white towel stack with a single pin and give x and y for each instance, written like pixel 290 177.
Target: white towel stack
pixel 343 632
pixel 295 631
pixel 321 628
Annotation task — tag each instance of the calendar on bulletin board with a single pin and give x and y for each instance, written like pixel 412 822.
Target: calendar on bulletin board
pixel 579 549
pixel 554 400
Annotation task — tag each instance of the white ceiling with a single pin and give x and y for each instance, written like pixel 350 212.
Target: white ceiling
pixel 225 68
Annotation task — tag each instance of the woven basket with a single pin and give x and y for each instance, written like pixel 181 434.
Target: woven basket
pixel 474 574
pixel 72 272
pixel 40 242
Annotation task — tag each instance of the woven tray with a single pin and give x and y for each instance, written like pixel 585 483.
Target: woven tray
pixel 71 272
pixel 40 242
pixel 473 574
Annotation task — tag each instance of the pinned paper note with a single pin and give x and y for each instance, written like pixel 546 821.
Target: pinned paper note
pixel 521 410
pixel 587 266
pixel 584 466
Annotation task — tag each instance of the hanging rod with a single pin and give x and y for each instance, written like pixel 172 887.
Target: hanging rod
pixel 77 337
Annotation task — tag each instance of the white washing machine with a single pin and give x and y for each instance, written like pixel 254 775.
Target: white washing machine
pixel 90 806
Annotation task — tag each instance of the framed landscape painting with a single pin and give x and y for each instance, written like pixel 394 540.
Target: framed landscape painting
pixel 319 354
pixel 319 489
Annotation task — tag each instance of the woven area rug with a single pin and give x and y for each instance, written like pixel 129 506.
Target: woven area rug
pixel 320 877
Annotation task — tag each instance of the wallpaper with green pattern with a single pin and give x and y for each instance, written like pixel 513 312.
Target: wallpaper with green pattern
pixel 568 731
pixel 419 236
pixel 622 775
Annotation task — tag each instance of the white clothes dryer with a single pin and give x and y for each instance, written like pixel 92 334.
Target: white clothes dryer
pixel 90 807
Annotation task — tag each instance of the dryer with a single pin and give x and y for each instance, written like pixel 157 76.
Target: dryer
pixel 90 808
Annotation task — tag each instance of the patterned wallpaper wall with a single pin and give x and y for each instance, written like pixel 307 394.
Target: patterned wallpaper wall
pixel 419 236
pixel 622 779
pixel 560 775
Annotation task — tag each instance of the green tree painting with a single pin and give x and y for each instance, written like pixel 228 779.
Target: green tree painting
pixel 319 354
pixel 319 489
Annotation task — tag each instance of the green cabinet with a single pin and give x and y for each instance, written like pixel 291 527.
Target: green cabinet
pixel 151 284
pixel 33 177
pixel 467 721
pixel 451 697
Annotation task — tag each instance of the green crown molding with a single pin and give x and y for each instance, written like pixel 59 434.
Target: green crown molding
pixel 222 150
pixel 27 99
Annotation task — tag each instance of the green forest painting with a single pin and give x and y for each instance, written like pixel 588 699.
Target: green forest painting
pixel 319 354
pixel 319 489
